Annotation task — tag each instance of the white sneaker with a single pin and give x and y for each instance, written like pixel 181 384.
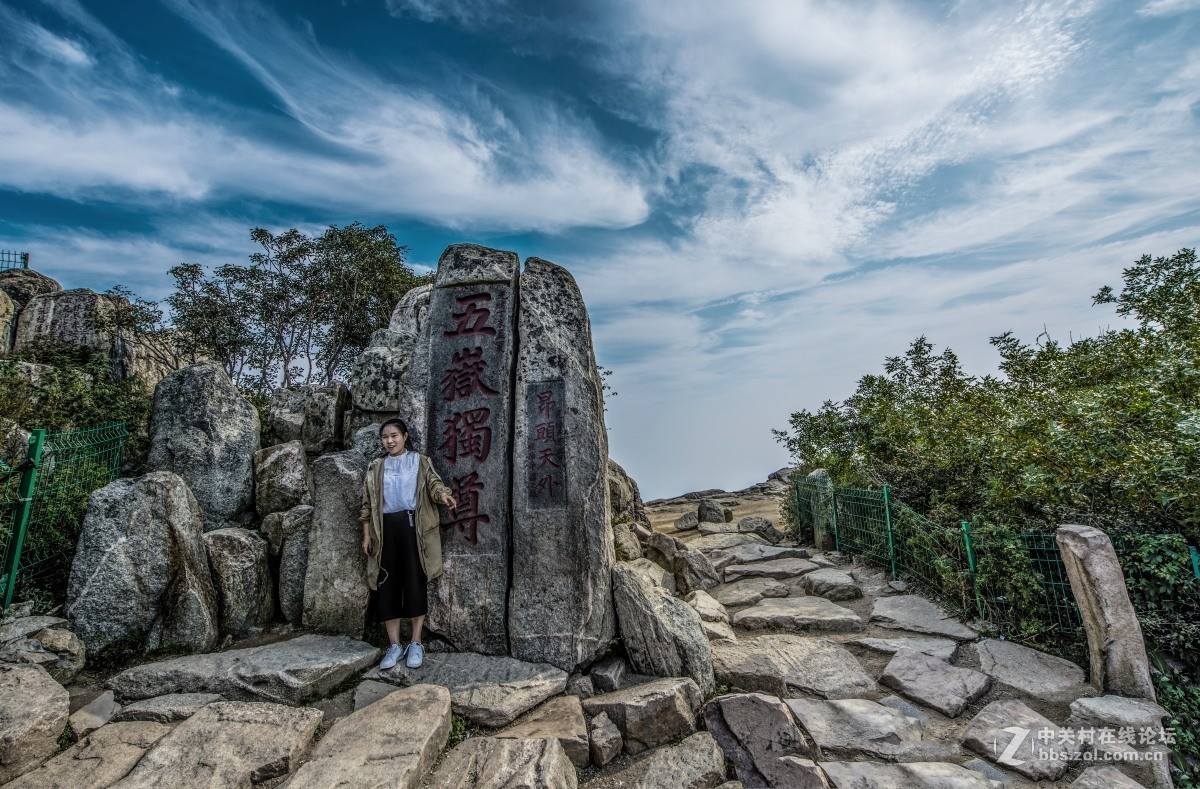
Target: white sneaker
pixel 416 655
pixel 394 653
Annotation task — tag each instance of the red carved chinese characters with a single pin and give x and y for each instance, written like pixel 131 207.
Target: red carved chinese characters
pixel 467 435
pixel 473 318
pixel 545 449
pixel 466 515
pixel 463 377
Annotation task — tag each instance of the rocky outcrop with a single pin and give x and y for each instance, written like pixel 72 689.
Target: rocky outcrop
pixel 312 415
pixel 33 712
pixel 39 640
pixel 335 579
pixel 202 429
pixel 831 584
pixel 391 743
pixel 650 714
pixel 559 608
pixel 229 743
pixel 285 672
pixel 245 591
pixel 756 732
pixel 625 543
pixel 662 634
pixel 491 763
pixel 287 535
pixel 8 322
pixel 691 568
pixel 22 285
pixel 1116 651
pixel 624 498
pixel 140 575
pixel 753 524
pixel 281 478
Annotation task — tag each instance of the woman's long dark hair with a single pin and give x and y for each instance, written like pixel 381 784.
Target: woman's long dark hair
pixel 402 426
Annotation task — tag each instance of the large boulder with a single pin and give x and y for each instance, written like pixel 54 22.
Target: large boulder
pixel 663 635
pixel 312 415
pixel 624 498
pixel 695 763
pixel 98 761
pixel 934 682
pixel 562 549
pixel 22 285
pixel 1116 651
pixel 691 568
pixel 560 719
pixel 202 429
pixel 245 592
pixel 787 665
pixel 141 576
pixel 287 536
pixel 33 713
pixel 281 478
pixel 650 714
pixel 392 742
pixel 335 580
pixel 492 763
pixel 756 731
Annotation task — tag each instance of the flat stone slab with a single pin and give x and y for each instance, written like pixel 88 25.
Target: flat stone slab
pixel 489 691
pixel 914 775
pixel 709 609
pixel 103 758
pixel 651 714
pixel 995 728
pixel 852 728
pixel 171 708
pixel 370 691
pixel 753 552
pixel 697 761
pixel 705 527
pixel 798 613
pixel 1116 712
pixel 33 712
pixel 285 671
pixel 943 648
pixel 720 542
pixel 755 730
pixel 718 631
pixel 918 615
pixel 831 584
pixel 561 719
pixel 490 763
pixel 788 665
pixel 94 714
pixel 26 626
pixel 230 743
pixel 393 742
pixel 933 682
pixel 769 568
pixel 1104 776
pixel 1032 672
pixel 749 591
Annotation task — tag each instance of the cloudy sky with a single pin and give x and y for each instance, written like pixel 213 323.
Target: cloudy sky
pixel 760 200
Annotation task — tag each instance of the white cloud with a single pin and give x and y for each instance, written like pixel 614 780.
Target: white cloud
pixel 1168 7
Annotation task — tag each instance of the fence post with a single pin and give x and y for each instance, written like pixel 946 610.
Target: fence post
pixel 12 557
pixel 837 537
pixel 966 530
pixel 1195 561
pixel 887 518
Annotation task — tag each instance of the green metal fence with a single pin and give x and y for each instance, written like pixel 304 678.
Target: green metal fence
pixel 971 571
pixel 13 259
pixel 42 501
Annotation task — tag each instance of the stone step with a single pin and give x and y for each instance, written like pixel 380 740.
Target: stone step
pixel 798 613
pixel 789 666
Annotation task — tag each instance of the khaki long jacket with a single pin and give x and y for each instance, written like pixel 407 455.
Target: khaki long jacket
pixel 430 490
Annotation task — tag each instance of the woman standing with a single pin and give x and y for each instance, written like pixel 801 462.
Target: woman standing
pixel 400 538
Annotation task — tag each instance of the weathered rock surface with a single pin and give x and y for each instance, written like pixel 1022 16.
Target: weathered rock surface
pixel 831 584
pixel 718 542
pixel 170 708
pixel 656 573
pixel 754 524
pixel 8 322
pixel 625 543
pixel 38 640
pixel 285 671
pixel 245 590
pixel 753 552
pixel 993 729
pixel 22 285
pixel 1116 651
pixel 707 607
pixel 849 728
pixel 913 775
pixel 691 568
pixel 687 521
pixel 1115 712
pixel 490 691
pixel 370 691
pixel 335 579
pixel 706 527
pixel 651 714
pixel 312 415
pixel 708 511
pixel 750 591
pixel 624 498
pixel 97 762
pixel 662 634
pixel 933 682
pixel 281 478
pixel 287 534
pixel 93 715
pixel 787 665
pixel 696 763
pixel 391 743
pixel 798 613
pixel 202 429
pixel 229 743
pixel 140 574
pixel 755 730
pixel 606 740
pixel 609 674
pixel 469 422
pixel 943 648
pixel 1104 777
pixel 1032 672
pixel 918 615
pixel 560 719
pixel 718 631
pixel 33 711
pixel 490 763
pixel 769 568
pixel 559 608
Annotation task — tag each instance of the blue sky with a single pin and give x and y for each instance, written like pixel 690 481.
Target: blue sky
pixel 759 200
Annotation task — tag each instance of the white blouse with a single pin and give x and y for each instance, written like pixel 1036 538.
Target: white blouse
pixel 400 482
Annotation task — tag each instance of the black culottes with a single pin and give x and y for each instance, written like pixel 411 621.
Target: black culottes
pixel 402 584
